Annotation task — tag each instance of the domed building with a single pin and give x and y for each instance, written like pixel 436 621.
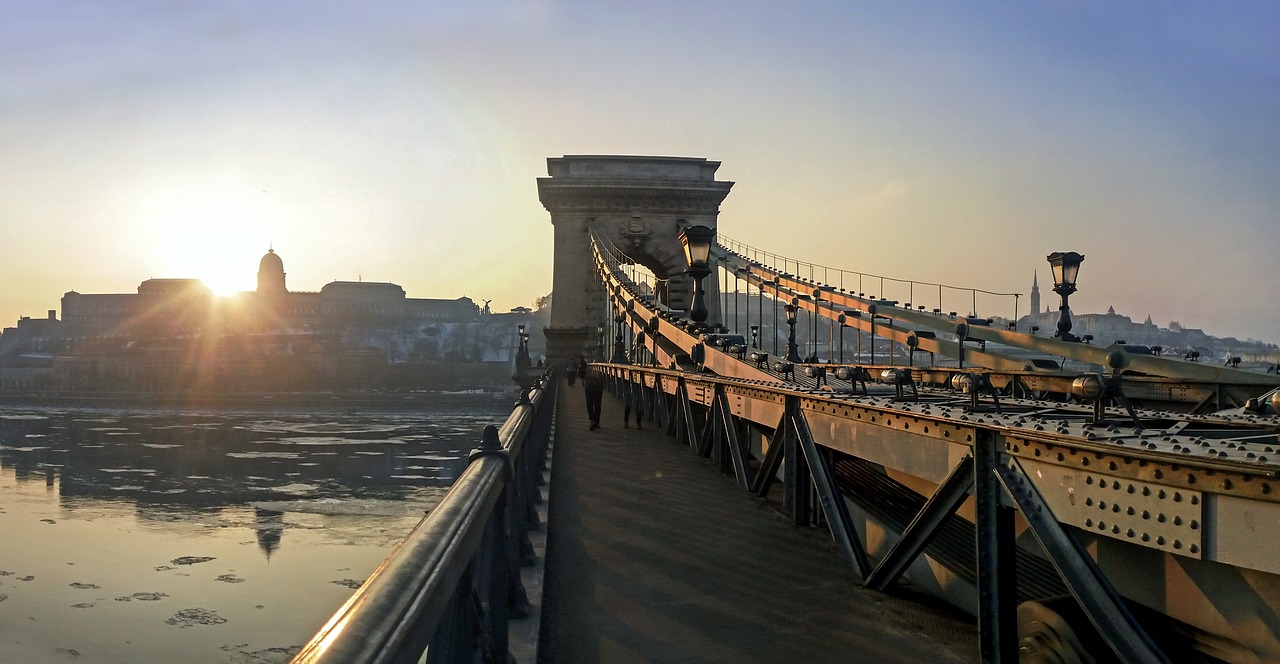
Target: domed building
pixel 184 306
pixel 271 274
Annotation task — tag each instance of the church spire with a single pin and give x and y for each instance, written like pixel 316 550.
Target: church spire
pixel 1035 292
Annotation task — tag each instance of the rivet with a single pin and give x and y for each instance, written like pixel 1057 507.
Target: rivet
pixel 1161 494
pixel 1102 504
pixel 1146 537
pixel 1130 511
pixel 1129 532
pixel 1177 520
pixel 1146 514
pixel 1088 523
pixel 1177 544
pixel 1177 496
pixel 1161 517
pixel 1195 525
pixel 1115 508
pixel 1146 491
pixel 1130 489
pixel 1160 540
pixel 1115 530
pixel 1088 502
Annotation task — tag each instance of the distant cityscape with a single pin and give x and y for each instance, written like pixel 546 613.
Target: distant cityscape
pixel 1173 339
pixel 174 335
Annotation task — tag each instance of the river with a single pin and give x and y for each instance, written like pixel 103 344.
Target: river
pixel 159 536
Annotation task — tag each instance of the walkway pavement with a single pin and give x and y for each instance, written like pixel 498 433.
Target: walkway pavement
pixel 655 557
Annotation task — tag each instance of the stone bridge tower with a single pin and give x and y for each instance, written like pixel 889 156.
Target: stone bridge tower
pixel 639 204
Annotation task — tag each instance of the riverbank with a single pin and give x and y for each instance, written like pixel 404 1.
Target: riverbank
pixel 267 401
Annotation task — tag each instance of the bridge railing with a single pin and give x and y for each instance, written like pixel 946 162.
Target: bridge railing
pixel 450 587
pixel 912 292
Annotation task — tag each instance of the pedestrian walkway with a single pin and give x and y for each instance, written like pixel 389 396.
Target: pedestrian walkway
pixel 654 557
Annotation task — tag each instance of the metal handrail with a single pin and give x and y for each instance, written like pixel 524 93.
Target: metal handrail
pixel 771 259
pixel 451 581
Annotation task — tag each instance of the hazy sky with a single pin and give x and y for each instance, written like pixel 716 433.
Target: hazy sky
pixel 941 141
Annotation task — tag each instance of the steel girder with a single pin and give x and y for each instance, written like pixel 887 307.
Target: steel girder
pixel 1101 603
pixel 705 419
pixel 941 505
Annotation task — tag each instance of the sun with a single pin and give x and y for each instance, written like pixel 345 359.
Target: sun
pixel 211 233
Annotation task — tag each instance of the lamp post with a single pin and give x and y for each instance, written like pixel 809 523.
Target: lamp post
pixel 619 345
pixel 522 349
pixel 793 354
pixel 1066 267
pixel 841 319
pixel 871 309
pixel 755 336
pixel 774 328
pixel 696 241
pixel 526 376
pixel 653 334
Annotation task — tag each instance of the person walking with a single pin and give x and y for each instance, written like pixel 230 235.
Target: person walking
pixel 571 370
pixel 632 395
pixel 593 386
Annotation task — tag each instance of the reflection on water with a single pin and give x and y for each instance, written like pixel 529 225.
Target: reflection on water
pixel 207 537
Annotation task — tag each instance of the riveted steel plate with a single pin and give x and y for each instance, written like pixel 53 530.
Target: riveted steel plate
pixel 1152 515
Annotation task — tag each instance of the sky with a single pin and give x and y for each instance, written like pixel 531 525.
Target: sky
pixel 401 141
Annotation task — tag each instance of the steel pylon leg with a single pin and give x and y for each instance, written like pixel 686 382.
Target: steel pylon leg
pixel 768 471
pixel 1101 603
pixel 833 505
pixel 997 578
pixel 917 535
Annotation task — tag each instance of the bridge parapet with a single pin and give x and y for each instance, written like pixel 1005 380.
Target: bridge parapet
pixel 454 581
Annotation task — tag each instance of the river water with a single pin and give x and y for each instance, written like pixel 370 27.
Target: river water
pixel 155 536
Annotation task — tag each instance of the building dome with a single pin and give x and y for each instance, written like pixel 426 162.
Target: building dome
pixel 271 262
pixel 271 273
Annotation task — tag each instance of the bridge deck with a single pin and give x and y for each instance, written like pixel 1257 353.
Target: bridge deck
pixel 652 556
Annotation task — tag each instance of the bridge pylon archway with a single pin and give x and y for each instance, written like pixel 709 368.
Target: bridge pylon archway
pixel 639 205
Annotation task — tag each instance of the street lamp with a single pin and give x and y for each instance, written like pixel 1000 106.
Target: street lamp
pixel 841 319
pixel 793 354
pixel 755 336
pixel 653 334
pixel 522 348
pixel 696 241
pixel 619 346
pixel 1066 267
pixel 525 376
